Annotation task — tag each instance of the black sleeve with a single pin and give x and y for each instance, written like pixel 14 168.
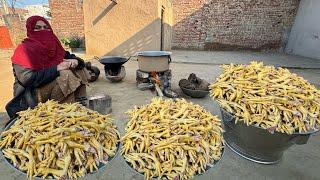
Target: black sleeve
pixel 81 63
pixel 29 78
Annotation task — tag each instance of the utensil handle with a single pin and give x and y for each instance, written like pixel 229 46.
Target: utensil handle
pixel 158 90
pixel 300 139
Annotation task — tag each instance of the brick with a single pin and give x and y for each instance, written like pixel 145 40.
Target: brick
pixel 67 17
pixel 257 24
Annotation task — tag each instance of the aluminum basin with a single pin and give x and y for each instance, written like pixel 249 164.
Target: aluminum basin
pixel 101 166
pixel 207 168
pixel 257 144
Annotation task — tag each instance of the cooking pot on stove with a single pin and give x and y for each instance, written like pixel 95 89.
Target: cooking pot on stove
pixel 153 61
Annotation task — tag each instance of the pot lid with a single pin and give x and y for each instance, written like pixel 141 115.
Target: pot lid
pixel 153 53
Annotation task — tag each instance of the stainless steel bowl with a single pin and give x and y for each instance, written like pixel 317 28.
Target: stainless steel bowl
pixel 206 169
pixel 257 144
pixel 100 167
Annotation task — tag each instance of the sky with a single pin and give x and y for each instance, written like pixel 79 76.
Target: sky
pixel 22 3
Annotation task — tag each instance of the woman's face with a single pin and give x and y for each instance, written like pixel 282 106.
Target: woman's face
pixel 41 26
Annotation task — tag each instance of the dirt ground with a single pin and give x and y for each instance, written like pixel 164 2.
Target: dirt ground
pixel 299 162
pixel 6 78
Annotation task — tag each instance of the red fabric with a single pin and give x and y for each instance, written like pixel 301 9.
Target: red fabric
pixel 5 40
pixel 40 50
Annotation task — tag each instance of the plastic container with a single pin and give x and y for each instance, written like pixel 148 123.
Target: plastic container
pixel 153 61
pixel 257 144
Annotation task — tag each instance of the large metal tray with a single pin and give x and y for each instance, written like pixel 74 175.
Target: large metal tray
pixel 100 167
pixel 257 144
pixel 206 169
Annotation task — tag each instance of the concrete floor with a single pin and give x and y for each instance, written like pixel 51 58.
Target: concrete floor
pixel 244 57
pixel 299 162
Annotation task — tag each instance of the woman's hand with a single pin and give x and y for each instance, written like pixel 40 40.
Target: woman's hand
pixel 74 62
pixel 64 65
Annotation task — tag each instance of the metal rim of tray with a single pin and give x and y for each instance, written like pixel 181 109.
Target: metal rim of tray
pixel 100 167
pixel 256 126
pixel 199 91
pixel 206 169
pixel 153 53
pixel 112 59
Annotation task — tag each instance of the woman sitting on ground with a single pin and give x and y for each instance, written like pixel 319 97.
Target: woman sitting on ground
pixel 43 70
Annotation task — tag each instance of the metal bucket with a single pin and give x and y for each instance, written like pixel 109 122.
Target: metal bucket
pixel 100 103
pixel 257 144
pixel 101 166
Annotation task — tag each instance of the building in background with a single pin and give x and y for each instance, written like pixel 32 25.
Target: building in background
pixel 197 24
pixel 304 39
pixel 40 10
pixel 114 27
pixel 13 29
pixel 125 27
pixel 233 24
pixel 67 17
pixel 20 12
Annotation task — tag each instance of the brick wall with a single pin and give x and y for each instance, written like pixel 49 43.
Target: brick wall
pixel 67 17
pixel 232 24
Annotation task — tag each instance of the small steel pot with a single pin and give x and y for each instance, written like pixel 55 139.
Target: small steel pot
pixel 150 61
pixel 257 144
